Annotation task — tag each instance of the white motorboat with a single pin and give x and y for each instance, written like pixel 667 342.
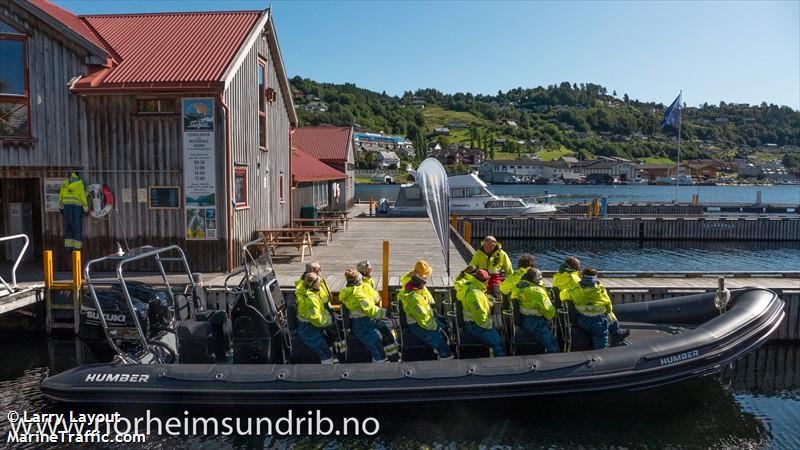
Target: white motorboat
pixel 683 180
pixel 469 195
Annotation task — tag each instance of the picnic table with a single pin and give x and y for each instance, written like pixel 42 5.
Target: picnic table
pixel 337 215
pixel 325 226
pixel 299 238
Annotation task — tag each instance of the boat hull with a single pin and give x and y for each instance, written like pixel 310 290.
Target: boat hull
pixel 715 342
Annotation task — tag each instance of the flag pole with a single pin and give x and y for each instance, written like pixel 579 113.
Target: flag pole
pixel 678 165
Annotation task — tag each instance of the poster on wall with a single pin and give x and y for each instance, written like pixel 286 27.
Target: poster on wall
pixel 199 168
pixel 52 188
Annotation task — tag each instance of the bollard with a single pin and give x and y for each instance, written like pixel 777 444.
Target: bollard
pixel 370 206
pixel 467 232
pixel 454 221
pixel 385 276
pixel 604 206
pixel 77 285
pixel 590 208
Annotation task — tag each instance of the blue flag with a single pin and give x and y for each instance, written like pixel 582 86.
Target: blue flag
pixel 672 116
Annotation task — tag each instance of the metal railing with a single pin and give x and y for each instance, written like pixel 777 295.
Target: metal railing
pixel 13 286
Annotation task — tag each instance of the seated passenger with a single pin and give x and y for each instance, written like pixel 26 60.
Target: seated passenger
pixel 593 305
pixel 526 262
pixel 461 281
pixel 477 314
pixel 423 323
pixel 536 309
pixel 492 258
pixel 388 340
pixel 314 267
pixel 363 315
pixel 421 268
pixel 315 326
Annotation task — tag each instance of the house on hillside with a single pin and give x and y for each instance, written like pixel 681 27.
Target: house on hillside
pixel 388 160
pixel 617 168
pixel 459 155
pixel 314 183
pixel 195 150
pixel 333 146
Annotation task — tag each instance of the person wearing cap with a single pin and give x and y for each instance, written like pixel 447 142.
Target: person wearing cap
pixel 492 258
pixel 324 292
pixel 462 281
pixel 364 312
pixel 536 308
pixel 421 268
pixel 422 321
pixel 526 263
pixel 388 340
pixel 567 277
pixel 593 305
pixel 477 314
pixel 315 326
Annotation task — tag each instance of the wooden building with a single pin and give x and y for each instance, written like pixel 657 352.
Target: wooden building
pixel 192 136
pixel 333 146
pixel 314 183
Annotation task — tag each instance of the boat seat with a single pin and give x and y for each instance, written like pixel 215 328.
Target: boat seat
pixel 468 346
pixel 412 348
pixel 522 342
pixel 301 354
pixel 196 342
pixel 252 336
pixel 356 352
pixel 222 331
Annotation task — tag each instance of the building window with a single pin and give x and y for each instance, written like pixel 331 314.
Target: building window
pixel 156 106
pixel 240 185
pixel 280 188
pixel 15 120
pixel 262 105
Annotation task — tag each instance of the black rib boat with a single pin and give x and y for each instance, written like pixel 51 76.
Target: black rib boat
pixel 671 340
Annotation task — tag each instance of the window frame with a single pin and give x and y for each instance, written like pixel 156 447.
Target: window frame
pixel 175 109
pixel 241 169
pixel 281 190
pixel 24 99
pixel 262 105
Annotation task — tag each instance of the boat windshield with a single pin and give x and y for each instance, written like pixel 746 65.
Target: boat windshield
pixel 473 191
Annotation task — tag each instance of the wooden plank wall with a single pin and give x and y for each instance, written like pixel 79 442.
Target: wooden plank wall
pixel 55 113
pixel 685 228
pixel 266 209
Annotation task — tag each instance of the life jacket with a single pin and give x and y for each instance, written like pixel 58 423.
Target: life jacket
pixel 534 300
pixel 477 307
pixel 311 308
pixel 416 304
pixel 73 192
pixel 359 301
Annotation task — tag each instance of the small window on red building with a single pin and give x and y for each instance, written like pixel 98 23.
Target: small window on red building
pixel 156 106
pixel 240 185
pixel 15 117
pixel 262 104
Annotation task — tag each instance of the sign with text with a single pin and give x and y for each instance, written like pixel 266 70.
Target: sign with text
pixel 199 168
pixel 52 189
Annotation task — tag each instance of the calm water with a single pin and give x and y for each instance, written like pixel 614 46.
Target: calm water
pixel 755 405
pixel 637 193
pixel 661 255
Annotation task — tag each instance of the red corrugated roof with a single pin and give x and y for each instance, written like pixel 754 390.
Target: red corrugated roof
pixel 69 20
pixel 323 143
pixel 306 168
pixel 171 49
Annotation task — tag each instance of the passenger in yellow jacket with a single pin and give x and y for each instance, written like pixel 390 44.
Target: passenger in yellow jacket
pixel 324 292
pixel 526 262
pixel 567 277
pixel 315 327
pixel 477 314
pixel 536 309
pixel 423 322
pixel 365 269
pixel 364 313
pixel 421 268
pixel 493 259
pixel 593 305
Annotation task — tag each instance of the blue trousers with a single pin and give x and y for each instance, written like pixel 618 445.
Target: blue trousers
pixel 366 331
pixel 596 326
pixel 489 337
pixel 434 339
pixel 314 339
pixel 613 328
pixel 73 227
pixel 539 327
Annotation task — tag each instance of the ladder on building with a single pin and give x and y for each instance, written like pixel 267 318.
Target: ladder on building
pixel 55 293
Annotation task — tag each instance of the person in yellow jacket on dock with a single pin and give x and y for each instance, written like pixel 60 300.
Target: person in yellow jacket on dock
pixel 316 328
pixel 526 263
pixel 364 313
pixel 423 323
pixel 477 314
pixel 536 308
pixel 73 204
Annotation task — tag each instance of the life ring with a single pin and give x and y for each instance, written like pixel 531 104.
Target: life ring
pixel 101 200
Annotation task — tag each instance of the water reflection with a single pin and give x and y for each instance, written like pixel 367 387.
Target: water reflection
pixel 755 405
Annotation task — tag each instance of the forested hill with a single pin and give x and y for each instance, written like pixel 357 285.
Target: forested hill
pixel 583 118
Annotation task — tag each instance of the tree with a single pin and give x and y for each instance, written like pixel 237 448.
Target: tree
pixel 625 98
pixel 474 136
pixel 614 93
pixel 791 160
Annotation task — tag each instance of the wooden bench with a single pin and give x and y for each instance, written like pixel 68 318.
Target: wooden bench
pixel 324 227
pixel 340 217
pixel 298 238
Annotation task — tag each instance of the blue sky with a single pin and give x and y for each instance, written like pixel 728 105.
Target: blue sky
pixel 729 51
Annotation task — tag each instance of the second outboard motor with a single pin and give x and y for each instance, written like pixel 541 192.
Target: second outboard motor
pixel 159 303
pixel 120 323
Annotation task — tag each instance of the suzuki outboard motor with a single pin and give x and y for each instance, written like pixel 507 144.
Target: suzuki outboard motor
pixel 159 303
pixel 121 326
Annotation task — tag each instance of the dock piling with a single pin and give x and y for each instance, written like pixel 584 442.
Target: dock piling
pixel 385 276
